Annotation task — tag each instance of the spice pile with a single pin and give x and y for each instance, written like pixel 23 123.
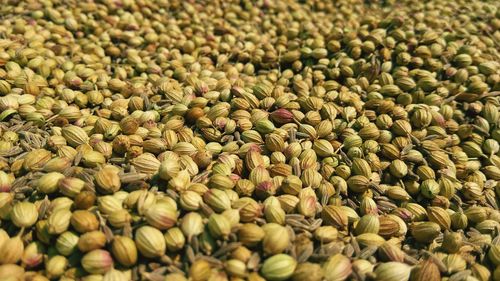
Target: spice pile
pixel 249 140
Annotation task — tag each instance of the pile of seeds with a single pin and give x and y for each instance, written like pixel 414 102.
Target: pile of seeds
pixel 249 140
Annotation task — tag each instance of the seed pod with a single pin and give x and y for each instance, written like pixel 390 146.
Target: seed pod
pixel 176 277
pixel 56 266
pixel 426 271
pixel 276 239
pixel 398 168
pixel 8 271
pixel 36 159
pixel 124 250
pixel 308 271
pixel 337 268
pixel 496 273
pixel 362 267
pixel 390 252
pixel 217 199
pixel 200 270
pixel 161 216
pixel 84 221
pixel 452 242
pixel 476 214
pixel 236 268
pixel 494 254
pixel 66 243
pixel 109 204
pixel 249 209
pixel 97 262
pixel 218 181
pixel 84 200
pixel 323 148
pixel 335 216
pixel 93 158
pixel 116 275
pixel 150 242
pixel 119 218
pixel 361 167
pixel 70 186
pixel 368 206
pixel 390 226
pixel 169 168
pixel 429 188
pixel 487 226
pixel 12 250
pixel 481 272
pixel 58 222
pixel 174 239
pixel 370 240
pixel 439 216
pixel 459 221
pixel 367 224
pixel 24 214
pixel 419 212
pixel 358 183
pixel 278 267
pixel 245 187
pixel 454 263
pixel 107 179
pixel 219 226
pixel 326 234
pixel 392 271
pixel 438 159
pixel 33 254
pixel 274 142
pixel 191 225
pixel 306 206
pixel 48 183
pixel 273 212
pixel 146 200
pixel 74 135
pixel 425 232
pixel 91 241
pixel 250 234
pixel 146 163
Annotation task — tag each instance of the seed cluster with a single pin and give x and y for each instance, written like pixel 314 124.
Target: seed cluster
pixel 249 140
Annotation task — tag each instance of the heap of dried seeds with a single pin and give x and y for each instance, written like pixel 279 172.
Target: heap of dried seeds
pixel 249 140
